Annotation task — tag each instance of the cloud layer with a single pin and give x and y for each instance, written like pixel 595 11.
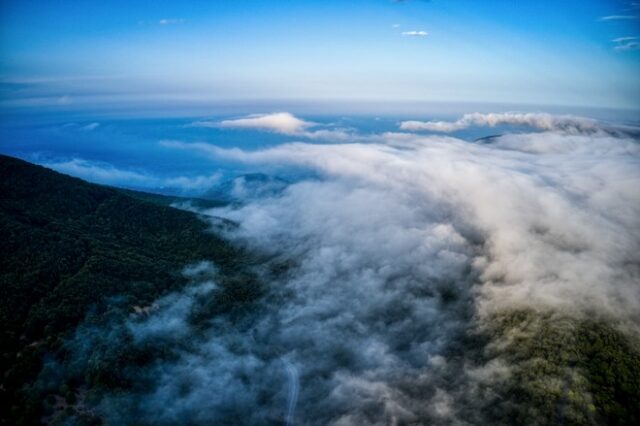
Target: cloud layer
pixel 541 121
pixel 537 198
pixel 628 44
pixel 388 259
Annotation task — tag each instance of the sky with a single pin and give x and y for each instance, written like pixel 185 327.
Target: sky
pixel 137 57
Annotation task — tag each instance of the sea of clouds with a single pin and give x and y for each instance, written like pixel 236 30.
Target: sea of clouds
pixel 397 249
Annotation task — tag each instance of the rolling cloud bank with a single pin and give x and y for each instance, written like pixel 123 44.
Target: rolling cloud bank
pixel 386 274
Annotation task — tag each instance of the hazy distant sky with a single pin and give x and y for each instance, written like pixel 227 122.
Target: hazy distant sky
pixel 65 54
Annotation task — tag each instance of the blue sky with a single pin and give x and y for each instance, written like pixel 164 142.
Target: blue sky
pixel 137 55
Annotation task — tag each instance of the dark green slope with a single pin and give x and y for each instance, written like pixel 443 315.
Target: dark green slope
pixel 68 246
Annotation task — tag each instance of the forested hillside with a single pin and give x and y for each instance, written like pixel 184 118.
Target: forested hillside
pixel 68 248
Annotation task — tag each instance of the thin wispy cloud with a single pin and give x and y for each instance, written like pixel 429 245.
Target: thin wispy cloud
pixel 626 43
pixel 415 33
pixel 171 21
pixel 90 127
pixel 618 18
pixel 629 45
pixel 623 39
pixel 108 174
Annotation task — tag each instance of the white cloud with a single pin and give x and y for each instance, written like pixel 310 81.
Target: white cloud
pixel 540 121
pixel 415 33
pixel 556 208
pixel 282 123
